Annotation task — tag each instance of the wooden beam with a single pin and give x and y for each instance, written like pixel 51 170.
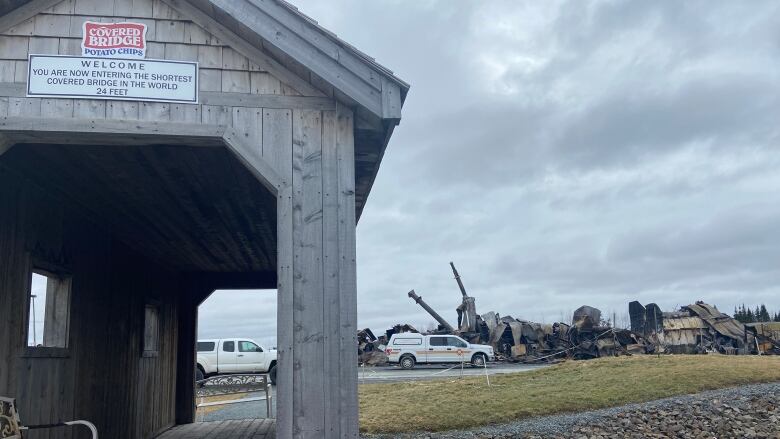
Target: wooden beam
pixel 267 101
pixel 63 130
pixel 5 144
pixel 237 281
pixel 240 45
pixel 279 36
pixel 252 158
pixel 309 342
pixel 186 334
pixel 347 288
pixel 391 100
pixel 18 90
pixel 24 12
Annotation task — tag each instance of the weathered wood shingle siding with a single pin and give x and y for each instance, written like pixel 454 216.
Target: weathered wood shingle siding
pixel 170 36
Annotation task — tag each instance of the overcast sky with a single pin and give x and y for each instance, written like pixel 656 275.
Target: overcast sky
pixel 566 153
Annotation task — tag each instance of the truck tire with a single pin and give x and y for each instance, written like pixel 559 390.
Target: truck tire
pixel 272 374
pixel 406 362
pixel 199 374
pixel 478 360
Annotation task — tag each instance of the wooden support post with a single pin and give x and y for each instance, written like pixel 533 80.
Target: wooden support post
pixel 317 378
pixel 186 338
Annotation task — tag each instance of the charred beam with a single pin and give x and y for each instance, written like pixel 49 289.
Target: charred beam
pixel 430 310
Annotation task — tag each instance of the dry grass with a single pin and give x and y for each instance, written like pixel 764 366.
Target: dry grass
pixel 568 387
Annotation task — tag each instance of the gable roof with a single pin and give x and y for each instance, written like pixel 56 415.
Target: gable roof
pixel 276 35
pixel 332 65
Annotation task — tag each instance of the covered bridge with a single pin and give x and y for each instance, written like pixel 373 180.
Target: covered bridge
pixel 232 146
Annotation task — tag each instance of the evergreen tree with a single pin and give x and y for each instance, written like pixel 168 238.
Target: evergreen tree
pixel 763 314
pixel 749 316
pixel 741 314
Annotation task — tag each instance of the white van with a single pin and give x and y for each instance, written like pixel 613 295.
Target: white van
pixel 408 349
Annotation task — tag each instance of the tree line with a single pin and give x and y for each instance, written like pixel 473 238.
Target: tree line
pixel 760 314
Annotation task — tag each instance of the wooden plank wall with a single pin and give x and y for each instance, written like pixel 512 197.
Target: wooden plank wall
pixel 103 377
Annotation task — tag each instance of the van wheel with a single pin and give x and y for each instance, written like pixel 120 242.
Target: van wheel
pixel 406 362
pixel 478 360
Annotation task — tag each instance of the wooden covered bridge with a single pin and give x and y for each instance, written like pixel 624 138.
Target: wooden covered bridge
pixel 152 151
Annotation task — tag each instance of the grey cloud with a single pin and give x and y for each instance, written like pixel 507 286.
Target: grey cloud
pixel 564 153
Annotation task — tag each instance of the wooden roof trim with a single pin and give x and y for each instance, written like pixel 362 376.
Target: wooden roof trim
pixel 243 47
pixel 344 44
pixel 319 51
pixel 25 12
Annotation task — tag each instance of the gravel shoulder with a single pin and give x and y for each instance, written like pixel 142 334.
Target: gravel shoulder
pixel 744 411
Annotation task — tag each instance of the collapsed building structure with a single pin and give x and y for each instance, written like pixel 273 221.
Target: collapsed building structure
pixel 693 329
pixel 588 336
pixel 699 328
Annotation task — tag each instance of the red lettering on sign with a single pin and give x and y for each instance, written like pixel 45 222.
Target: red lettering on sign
pixel 114 35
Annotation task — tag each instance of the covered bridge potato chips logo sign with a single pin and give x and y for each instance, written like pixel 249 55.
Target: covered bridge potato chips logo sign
pixel 113 65
pixel 114 40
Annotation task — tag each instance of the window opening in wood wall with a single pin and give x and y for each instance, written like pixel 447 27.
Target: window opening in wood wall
pixel 151 330
pixel 49 310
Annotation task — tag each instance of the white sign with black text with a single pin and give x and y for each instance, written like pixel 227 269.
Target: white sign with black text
pixel 101 78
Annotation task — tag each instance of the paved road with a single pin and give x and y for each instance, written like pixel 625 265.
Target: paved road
pixel 384 374
pixel 427 372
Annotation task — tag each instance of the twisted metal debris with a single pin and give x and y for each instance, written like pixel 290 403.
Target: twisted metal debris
pixel 693 329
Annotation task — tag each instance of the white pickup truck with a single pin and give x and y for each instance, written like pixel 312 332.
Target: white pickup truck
pixel 408 348
pixel 234 355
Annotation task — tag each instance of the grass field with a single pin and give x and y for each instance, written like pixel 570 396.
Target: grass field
pixel 568 387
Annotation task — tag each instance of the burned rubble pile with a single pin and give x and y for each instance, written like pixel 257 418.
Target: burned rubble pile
pixel 693 329
pixel 700 328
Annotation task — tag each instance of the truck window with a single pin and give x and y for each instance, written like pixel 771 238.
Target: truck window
pixel 206 346
pixel 438 341
pixel 248 346
pixel 228 346
pixel 407 341
pixel 456 342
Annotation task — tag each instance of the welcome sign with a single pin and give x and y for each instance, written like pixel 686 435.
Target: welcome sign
pixel 113 66
pixel 115 78
pixel 114 40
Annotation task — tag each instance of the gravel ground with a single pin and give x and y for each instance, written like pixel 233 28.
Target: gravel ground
pixel 751 411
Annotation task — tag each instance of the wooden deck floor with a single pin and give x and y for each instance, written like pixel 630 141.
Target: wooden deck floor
pixel 245 429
